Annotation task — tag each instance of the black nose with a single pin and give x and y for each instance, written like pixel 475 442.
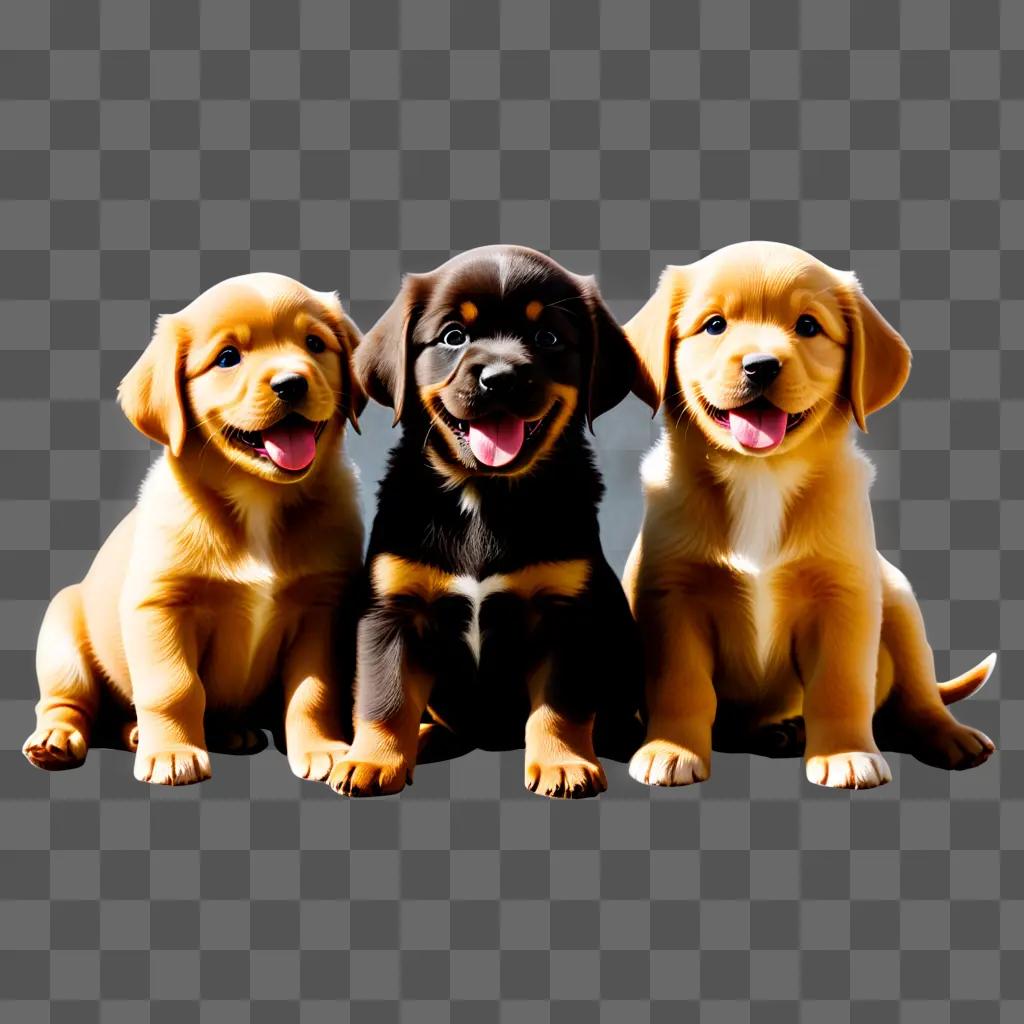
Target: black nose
pixel 760 368
pixel 289 387
pixel 498 378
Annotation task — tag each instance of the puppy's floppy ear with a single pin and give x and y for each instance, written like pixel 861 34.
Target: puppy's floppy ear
pixel 612 362
pixel 652 333
pixel 151 393
pixel 349 336
pixel 879 360
pixel 381 361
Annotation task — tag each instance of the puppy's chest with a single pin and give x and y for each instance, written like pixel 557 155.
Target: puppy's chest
pixel 253 601
pixel 757 499
pixel 252 572
pixel 472 603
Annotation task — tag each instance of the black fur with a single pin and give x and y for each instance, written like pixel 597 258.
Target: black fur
pixel 477 523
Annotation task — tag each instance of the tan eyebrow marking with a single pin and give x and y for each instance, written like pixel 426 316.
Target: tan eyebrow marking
pixel 469 312
pixel 534 309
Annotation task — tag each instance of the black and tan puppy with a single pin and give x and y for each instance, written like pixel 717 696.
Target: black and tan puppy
pixel 493 616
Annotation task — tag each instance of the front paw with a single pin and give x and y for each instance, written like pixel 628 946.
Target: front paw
pixel 663 763
pixel 316 764
pixel 177 766
pixel 370 776
pixel 572 778
pixel 852 770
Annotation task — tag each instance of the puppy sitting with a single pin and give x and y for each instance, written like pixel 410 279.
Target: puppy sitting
pixel 219 591
pixel 755 579
pixel 492 604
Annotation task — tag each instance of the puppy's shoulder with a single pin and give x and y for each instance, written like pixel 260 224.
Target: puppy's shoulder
pixel 846 473
pixel 673 480
pixel 333 517
pixel 163 503
pixel 656 470
pixel 862 466
pixel 335 496
pixel 166 535
pixel 833 514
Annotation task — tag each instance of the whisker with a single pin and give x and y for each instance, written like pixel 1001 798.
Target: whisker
pixel 203 422
pixel 561 304
pixel 426 436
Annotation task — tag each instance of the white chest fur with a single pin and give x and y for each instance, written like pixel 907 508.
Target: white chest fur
pixel 758 495
pixel 476 592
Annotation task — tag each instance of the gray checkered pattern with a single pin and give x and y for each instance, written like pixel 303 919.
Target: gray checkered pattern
pixel 148 151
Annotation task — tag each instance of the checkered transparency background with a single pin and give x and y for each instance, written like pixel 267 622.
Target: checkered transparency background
pixel 148 151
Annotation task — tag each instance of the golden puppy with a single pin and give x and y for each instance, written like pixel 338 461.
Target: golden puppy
pixel 755 579
pixel 218 592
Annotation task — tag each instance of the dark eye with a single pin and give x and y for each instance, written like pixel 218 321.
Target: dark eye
pixel 807 326
pixel 546 339
pixel 716 325
pixel 314 344
pixel 454 337
pixel 229 357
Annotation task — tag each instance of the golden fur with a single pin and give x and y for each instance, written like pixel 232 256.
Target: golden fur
pixel 755 578
pixel 224 582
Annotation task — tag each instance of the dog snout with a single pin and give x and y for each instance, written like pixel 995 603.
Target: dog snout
pixel 760 368
pixel 498 379
pixel 289 387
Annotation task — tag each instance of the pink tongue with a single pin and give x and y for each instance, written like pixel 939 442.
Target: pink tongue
pixel 760 427
pixel 290 445
pixel 496 441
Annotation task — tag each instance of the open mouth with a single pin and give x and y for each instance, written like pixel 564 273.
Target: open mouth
pixel 290 444
pixel 758 425
pixel 497 439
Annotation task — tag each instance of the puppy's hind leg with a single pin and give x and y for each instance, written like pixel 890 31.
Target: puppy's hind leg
pixel 235 738
pixel 69 693
pixel 912 716
pixel 438 743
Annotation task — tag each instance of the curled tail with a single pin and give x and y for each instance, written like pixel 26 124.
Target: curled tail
pixel 969 682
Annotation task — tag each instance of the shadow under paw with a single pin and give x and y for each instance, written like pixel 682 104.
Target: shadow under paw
pixel 235 740
pixel 785 738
